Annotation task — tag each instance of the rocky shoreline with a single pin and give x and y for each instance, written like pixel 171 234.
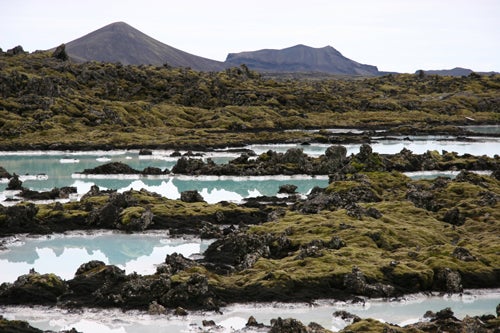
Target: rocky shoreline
pixel 283 249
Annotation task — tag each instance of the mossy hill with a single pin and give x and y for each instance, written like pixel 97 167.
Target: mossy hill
pixel 50 103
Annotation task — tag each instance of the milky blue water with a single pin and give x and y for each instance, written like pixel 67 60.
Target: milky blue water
pixel 62 254
pixel 234 317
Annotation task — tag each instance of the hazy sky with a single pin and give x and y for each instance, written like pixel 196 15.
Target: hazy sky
pixel 395 35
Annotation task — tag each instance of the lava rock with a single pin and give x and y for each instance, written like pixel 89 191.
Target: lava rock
pixel 191 196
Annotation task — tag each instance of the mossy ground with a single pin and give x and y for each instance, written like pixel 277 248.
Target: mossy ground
pixel 405 247
pixel 48 102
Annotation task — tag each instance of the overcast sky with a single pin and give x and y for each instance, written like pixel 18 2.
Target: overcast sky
pixel 394 35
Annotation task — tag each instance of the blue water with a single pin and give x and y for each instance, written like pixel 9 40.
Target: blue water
pixel 62 254
pixel 234 317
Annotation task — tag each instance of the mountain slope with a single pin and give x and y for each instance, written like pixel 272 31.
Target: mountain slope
pixel 300 58
pixel 119 42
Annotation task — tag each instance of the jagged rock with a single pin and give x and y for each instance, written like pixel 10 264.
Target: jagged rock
pixel 14 183
pixel 373 212
pixel 156 309
pixel 4 173
pixel 56 193
pixel 145 152
pixel 453 216
pixel 191 196
pixel 34 288
pixel 336 243
pixel 60 53
pixel 112 168
pixel 448 280
pixel 176 154
pixel 346 316
pixel 288 325
pixel 210 231
pixel 312 250
pixel 195 292
pixel 20 218
pixel 498 310
pixel 276 214
pixel 463 254
pixel 356 283
pixel 208 323
pixel 422 199
pixel 187 166
pixel 154 171
pixel 16 51
pixel 288 188
pixel 252 322
pixel 175 263
pixel 336 153
pixel 139 223
pixel 96 284
pixel 180 311
pixel 238 250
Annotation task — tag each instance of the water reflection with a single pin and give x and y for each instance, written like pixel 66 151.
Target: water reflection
pixel 63 254
pixel 234 317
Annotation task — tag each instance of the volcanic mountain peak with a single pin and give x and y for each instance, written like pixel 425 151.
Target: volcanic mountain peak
pixel 119 42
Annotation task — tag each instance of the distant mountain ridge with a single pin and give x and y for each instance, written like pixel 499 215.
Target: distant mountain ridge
pixel 457 71
pixel 301 58
pixel 119 42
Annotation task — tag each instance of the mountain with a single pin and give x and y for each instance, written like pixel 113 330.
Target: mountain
pixel 119 42
pixel 300 58
pixel 457 71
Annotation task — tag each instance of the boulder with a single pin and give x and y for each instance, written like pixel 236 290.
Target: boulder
pixel 463 254
pixel 191 196
pixel 34 288
pixel 4 173
pixel 336 153
pixel 288 325
pixel 195 292
pixel 448 280
pixel 145 152
pixel 112 168
pixel 356 283
pixel 288 189
pixel 454 217
pixel 238 250
pixel 14 183
pixel 175 263
pixel 156 309
pixel 60 53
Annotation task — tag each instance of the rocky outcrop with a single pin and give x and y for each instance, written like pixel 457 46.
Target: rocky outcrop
pixel 14 183
pixel 356 283
pixel 191 196
pixel 33 288
pixel 119 168
pixel 4 173
pixel 60 53
pixel 55 193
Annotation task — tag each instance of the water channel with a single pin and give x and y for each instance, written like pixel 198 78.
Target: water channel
pixel 62 254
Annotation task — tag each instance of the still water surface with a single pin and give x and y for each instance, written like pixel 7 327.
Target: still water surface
pixel 62 254
pixel 234 317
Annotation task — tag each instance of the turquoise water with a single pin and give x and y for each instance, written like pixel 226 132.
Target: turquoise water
pixel 234 317
pixel 58 169
pixel 62 254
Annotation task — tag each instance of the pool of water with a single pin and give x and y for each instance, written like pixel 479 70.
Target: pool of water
pixel 234 317
pixel 62 254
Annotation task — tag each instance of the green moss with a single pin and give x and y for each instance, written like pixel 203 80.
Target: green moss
pixel 131 213
pixel 372 326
